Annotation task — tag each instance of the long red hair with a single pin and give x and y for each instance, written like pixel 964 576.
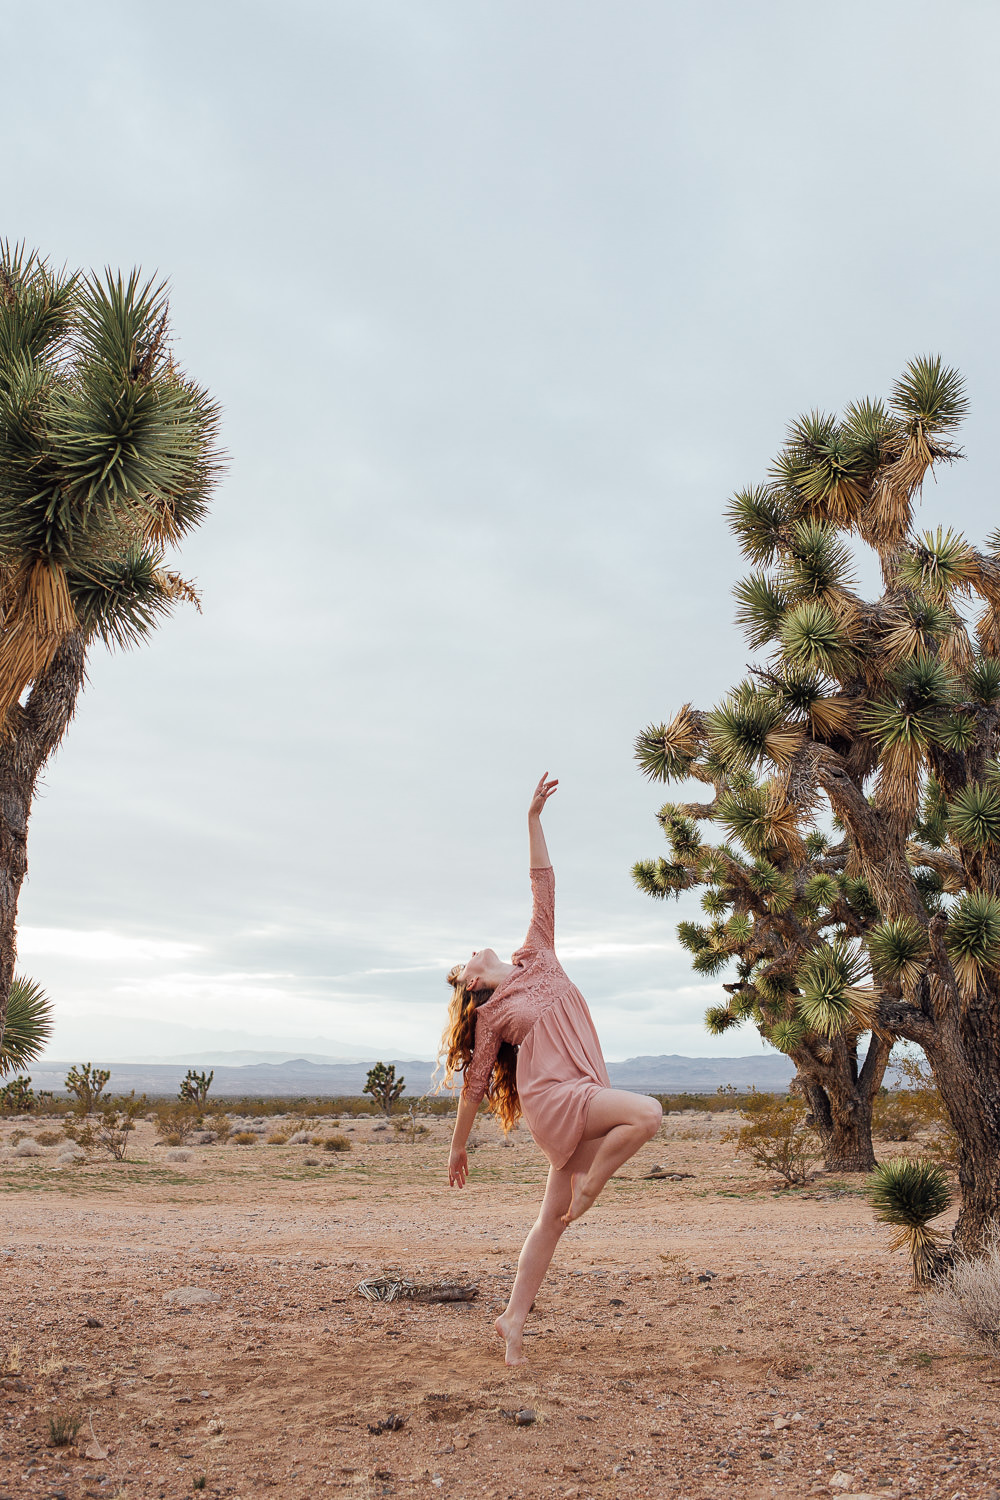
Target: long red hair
pixel 458 1042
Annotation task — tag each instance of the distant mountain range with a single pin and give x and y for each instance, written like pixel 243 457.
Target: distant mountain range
pixel 301 1076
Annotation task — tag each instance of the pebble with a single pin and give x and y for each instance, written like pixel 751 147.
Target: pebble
pixel 841 1480
pixel 525 1417
pixel 190 1296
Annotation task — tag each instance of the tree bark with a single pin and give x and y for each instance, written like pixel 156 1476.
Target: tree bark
pixel 27 740
pixel 840 1098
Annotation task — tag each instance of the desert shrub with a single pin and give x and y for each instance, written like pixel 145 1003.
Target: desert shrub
pixel 80 1135
pixel 116 1123
pixel 219 1124
pixel 967 1299
pixel 277 1138
pixel 244 1138
pixel 336 1142
pixel 921 1094
pixel 49 1137
pixel 775 1136
pixel 908 1194
pixel 12 1360
pixel 894 1117
pixel 176 1122
pixel 408 1127
pixel 16 1136
pixel 64 1424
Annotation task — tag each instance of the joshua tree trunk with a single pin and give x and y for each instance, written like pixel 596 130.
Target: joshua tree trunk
pixel 968 1080
pixel 34 731
pixel 840 1098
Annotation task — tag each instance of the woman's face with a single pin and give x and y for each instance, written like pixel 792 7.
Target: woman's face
pixel 479 969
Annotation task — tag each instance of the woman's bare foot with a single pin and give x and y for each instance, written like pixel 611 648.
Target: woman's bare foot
pixel 583 1198
pixel 512 1339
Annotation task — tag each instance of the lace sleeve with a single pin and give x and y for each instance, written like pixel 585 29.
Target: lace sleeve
pixel 484 1055
pixel 542 932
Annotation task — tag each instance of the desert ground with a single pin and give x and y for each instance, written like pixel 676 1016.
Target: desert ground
pixel 700 1336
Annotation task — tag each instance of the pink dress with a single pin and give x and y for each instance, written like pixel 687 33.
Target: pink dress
pixel 560 1066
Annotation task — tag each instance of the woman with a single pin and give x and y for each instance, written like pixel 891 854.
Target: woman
pixel 556 1078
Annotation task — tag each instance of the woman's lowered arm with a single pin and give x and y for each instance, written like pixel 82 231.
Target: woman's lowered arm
pixel 537 851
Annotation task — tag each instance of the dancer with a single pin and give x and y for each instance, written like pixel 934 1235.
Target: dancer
pixel 523 1037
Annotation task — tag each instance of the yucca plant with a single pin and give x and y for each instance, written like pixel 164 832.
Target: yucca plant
pixel 108 454
pixel 908 1194
pixel 853 777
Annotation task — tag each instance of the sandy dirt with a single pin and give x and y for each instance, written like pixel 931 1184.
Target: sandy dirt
pixel 803 1365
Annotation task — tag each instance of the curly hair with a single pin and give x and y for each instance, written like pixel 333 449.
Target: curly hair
pixel 458 1042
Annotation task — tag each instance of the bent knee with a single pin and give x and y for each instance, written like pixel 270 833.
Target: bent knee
pixel 652 1117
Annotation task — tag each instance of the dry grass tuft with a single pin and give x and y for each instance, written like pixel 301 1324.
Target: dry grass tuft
pixel 49 1137
pixel 336 1142
pixel 244 1138
pixel 12 1360
pixel 967 1300
pixel 277 1138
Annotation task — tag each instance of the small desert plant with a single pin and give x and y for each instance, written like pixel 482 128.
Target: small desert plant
pixel 219 1124
pixel 277 1138
pixel 18 1135
pixel 17 1096
pixel 968 1298
pixel 384 1086
pixel 87 1084
pixel 176 1123
pixel 195 1086
pixel 64 1425
pixel 908 1195
pixel 199 1482
pixel 244 1138
pixel 775 1136
pixel 12 1359
pixel 408 1127
pixel 82 1135
pixel 922 1097
pixel 117 1122
pixel 48 1137
pixel 337 1142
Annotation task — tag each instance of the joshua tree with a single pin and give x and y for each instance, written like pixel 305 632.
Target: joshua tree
pixel 882 719
pixel 88 1084
pixel 29 1025
pixel 383 1085
pixel 107 456
pixel 195 1086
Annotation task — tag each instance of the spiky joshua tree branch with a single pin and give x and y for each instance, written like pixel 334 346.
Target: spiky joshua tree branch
pixel 854 779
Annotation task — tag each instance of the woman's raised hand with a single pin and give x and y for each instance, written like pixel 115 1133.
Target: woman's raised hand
pixel 543 791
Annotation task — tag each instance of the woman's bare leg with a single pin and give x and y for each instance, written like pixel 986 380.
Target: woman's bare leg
pixel 619 1123
pixel 539 1248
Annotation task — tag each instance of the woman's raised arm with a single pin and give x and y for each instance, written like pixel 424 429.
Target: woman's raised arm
pixel 537 850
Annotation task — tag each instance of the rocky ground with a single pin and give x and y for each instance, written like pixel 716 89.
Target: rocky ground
pixel 698 1337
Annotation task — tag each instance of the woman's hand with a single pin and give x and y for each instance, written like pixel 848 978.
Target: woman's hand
pixel 458 1166
pixel 543 791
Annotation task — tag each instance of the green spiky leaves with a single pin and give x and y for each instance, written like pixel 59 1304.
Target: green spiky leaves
pixel 758 517
pixel 973 938
pixel 830 1002
pixel 28 1025
pixel 666 752
pixel 813 640
pixel 931 393
pixel 760 608
pixel 974 816
pixel 749 727
pixel 908 1194
pixel 898 949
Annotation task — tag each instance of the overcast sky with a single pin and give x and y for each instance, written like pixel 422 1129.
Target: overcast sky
pixel 501 302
